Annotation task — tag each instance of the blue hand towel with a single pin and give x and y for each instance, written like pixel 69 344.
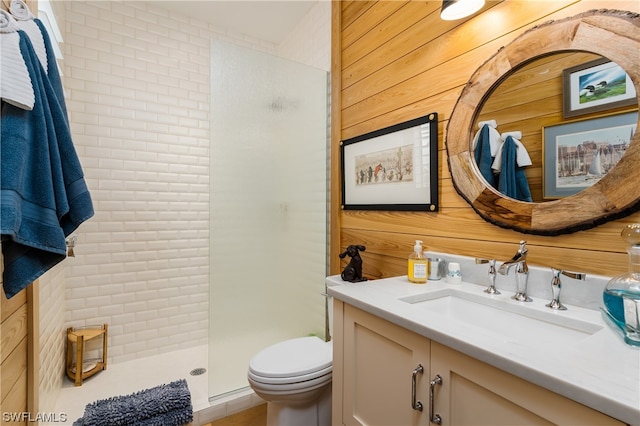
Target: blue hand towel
pixel 43 195
pixel 52 69
pixel 513 181
pixel 483 156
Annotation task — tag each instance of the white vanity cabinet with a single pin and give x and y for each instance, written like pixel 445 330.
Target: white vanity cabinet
pixel 476 393
pixel 373 368
pixel 375 362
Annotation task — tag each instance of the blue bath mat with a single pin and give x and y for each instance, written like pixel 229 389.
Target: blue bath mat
pixel 164 405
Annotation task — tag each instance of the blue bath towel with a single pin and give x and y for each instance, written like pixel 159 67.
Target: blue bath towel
pixel 513 181
pixel 52 69
pixel 43 194
pixel 164 405
pixel 483 156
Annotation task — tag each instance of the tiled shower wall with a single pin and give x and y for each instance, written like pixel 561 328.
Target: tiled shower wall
pixel 138 101
pixel 52 335
pixel 137 85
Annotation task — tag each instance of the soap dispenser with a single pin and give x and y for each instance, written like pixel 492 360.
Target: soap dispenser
pixel 622 294
pixel 418 268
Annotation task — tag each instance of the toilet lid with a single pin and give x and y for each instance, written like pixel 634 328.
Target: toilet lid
pixel 295 357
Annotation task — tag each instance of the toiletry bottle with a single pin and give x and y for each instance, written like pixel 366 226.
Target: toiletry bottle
pixel 622 292
pixel 418 270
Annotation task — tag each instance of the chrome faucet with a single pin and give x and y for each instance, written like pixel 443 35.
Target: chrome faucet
pixel 492 275
pixel 522 272
pixel 556 286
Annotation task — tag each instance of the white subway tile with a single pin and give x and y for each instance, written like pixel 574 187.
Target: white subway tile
pixel 110 310
pixel 138 86
pixel 134 307
pixel 143 316
pixel 121 339
pixel 75 304
pixel 158 343
pixel 135 347
pixel 158 304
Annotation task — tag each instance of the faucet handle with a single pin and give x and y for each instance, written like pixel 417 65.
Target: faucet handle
pixel 523 247
pixel 492 275
pixel 481 260
pixel 556 286
pixel 575 275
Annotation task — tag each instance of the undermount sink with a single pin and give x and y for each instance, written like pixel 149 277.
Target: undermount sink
pixel 504 318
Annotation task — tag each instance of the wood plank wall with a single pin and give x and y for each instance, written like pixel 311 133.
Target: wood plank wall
pixel 13 354
pixel 19 369
pixel 397 60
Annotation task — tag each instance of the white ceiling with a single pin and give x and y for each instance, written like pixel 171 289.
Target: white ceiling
pixel 268 20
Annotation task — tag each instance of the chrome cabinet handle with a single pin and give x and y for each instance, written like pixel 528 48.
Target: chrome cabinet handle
pixel 416 405
pixel 434 418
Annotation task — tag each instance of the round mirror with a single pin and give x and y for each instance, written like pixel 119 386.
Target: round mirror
pixel 563 148
pixel 524 91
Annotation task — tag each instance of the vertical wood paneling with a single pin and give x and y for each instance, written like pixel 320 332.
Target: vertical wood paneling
pixel 336 135
pixel 33 347
pixel 14 329
pixel 384 77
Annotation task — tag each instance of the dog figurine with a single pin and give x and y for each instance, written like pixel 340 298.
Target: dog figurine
pixel 353 271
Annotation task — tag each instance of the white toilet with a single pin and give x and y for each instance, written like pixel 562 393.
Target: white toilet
pixel 294 377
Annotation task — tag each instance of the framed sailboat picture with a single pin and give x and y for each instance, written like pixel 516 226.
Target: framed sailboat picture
pixel 578 154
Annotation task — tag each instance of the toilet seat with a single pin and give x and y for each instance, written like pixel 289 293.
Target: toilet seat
pixel 293 362
pixel 293 379
pixel 291 387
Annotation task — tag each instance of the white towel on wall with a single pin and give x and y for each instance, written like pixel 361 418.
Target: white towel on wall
pixel 25 18
pixel 522 158
pixel 494 136
pixel 15 84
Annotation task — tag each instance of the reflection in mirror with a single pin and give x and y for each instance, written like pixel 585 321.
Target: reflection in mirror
pixel 528 100
pixel 607 33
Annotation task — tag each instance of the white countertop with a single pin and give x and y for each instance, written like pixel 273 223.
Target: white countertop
pixel 599 370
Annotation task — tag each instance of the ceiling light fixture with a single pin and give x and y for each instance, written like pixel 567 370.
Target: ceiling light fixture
pixel 458 9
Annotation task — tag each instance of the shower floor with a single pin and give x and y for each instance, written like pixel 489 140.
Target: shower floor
pixel 135 375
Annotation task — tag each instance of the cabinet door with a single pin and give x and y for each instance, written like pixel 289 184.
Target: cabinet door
pixel 379 363
pixel 475 393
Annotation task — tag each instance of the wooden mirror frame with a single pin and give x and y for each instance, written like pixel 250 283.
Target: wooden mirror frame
pixel 613 34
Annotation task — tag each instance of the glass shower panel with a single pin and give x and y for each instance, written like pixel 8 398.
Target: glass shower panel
pixel 268 207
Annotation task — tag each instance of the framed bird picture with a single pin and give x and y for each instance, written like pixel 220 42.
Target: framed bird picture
pixel 596 86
